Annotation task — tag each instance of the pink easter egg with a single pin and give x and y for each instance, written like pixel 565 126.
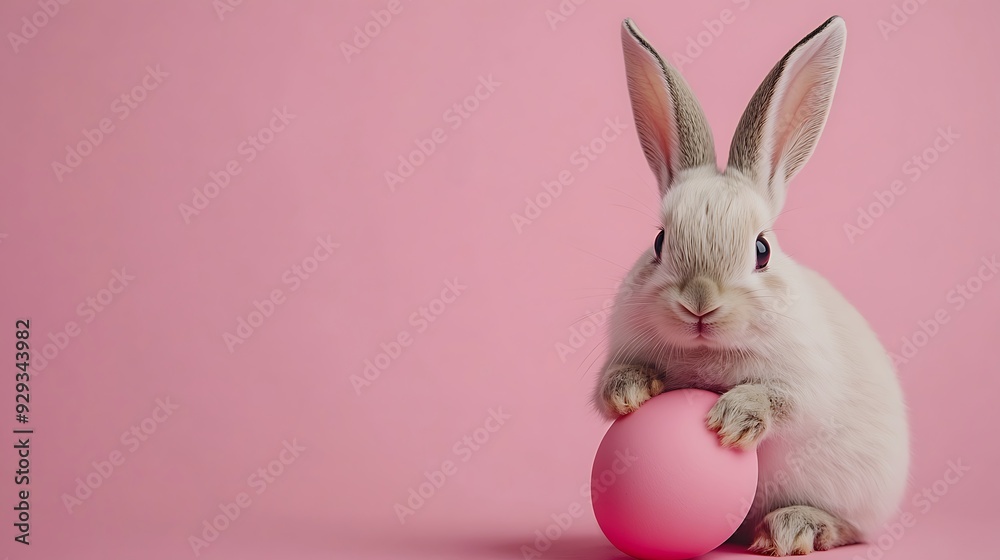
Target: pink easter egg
pixel 663 487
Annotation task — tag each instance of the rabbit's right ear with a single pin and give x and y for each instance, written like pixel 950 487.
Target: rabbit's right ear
pixel 671 125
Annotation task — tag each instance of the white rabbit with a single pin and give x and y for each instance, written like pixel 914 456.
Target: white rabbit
pixel 716 305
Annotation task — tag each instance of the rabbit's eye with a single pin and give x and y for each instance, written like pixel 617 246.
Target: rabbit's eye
pixel 763 252
pixel 658 244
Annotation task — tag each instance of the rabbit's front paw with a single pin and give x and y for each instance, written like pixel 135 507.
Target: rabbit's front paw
pixel 742 415
pixel 626 387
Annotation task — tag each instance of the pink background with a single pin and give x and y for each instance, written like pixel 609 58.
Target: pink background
pixel 495 346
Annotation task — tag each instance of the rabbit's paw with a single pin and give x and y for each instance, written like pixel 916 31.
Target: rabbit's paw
pixel 625 387
pixel 799 530
pixel 742 416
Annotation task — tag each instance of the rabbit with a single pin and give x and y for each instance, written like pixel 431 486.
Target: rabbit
pixel 714 304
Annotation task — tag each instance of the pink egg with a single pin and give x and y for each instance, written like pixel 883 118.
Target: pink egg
pixel 663 487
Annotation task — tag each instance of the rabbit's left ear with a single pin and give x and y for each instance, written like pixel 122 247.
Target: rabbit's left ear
pixel 782 124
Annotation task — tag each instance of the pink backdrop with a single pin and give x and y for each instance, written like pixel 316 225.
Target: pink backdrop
pixel 198 221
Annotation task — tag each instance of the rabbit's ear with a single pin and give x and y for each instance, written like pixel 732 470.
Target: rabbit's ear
pixel 781 125
pixel 671 125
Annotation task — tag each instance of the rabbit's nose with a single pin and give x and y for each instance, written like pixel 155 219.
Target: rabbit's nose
pixel 700 296
pixel 701 315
